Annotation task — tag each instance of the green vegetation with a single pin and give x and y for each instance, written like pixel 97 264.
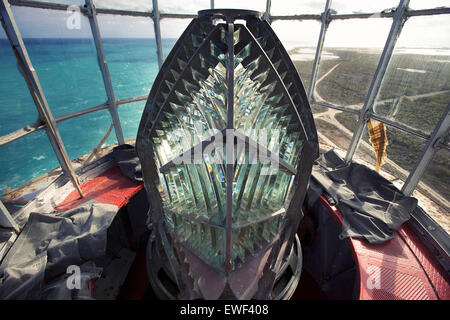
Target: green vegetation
pixel 404 97
pixel 421 113
pixel 350 81
pixel 304 69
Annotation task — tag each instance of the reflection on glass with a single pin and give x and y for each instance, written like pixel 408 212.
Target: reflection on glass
pixel 21 161
pixel 349 60
pixel 64 57
pixel 416 88
pixel 130 52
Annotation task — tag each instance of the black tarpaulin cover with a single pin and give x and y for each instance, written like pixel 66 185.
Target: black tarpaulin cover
pixel 372 206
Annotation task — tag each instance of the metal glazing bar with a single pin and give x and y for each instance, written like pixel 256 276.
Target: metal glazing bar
pixel 266 15
pixel 37 94
pixel 38 125
pixel 439 134
pixel 92 15
pixel 156 22
pixel 427 12
pixel 178 15
pixel 211 4
pixel 229 145
pixel 6 220
pixel 297 17
pixel 389 14
pixel 400 126
pixel 333 106
pixel 323 30
pixel 22 132
pixel 82 112
pixel 128 100
pixel 396 28
pixel 84 10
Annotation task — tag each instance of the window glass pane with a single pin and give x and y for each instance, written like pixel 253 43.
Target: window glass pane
pixel 82 134
pixel 132 5
pixel 403 150
pixel 258 5
pixel 435 184
pixel 415 90
pixel 16 105
pixel 301 44
pixel 130 116
pixel 192 6
pixel 293 7
pixel 171 30
pixel 130 53
pixel 63 53
pixel 345 6
pixel 22 160
pixel 71 2
pixel 350 56
pixel 335 128
pixel 428 4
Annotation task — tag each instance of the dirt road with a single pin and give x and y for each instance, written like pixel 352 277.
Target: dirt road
pixel 331 131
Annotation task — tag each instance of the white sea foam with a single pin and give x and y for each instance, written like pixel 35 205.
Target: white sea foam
pixel 41 157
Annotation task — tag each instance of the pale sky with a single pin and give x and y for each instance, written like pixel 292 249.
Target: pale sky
pixel 418 31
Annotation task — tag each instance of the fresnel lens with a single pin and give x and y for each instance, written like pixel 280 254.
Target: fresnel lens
pixel 226 142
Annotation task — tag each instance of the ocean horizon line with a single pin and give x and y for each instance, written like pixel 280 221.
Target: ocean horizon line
pixel 287 46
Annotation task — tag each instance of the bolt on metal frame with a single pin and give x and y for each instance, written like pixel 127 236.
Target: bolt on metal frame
pixel 399 15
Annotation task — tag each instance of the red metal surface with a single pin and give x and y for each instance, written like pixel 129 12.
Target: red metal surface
pixel 401 268
pixel 111 187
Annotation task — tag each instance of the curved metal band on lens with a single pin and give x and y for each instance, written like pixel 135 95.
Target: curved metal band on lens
pixel 229 14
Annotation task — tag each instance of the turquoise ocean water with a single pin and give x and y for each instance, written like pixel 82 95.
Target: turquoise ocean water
pixel 71 80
